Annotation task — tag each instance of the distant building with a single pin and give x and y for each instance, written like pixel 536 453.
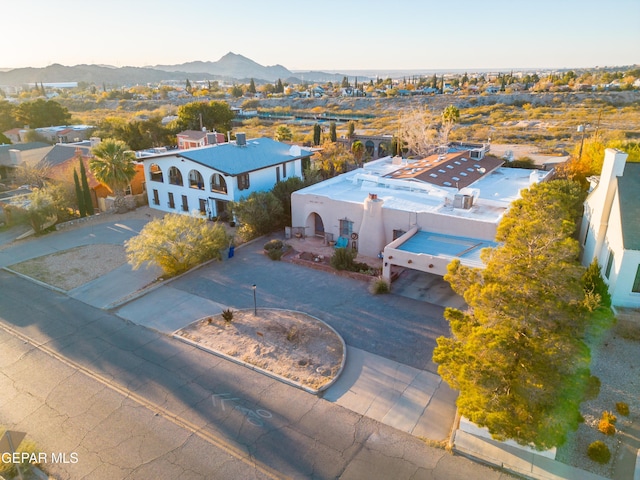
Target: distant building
pixel 198 138
pixel 610 231
pixel 66 133
pixel 418 214
pixel 14 156
pixel 205 179
pixel 376 146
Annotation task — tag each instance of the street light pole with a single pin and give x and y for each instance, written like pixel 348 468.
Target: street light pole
pixel 255 305
pixel 581 129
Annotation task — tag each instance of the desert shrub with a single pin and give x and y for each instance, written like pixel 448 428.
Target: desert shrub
pixel 606 427
pixel 227 315
pixel 292 334
pixel 275 254
pixel 10 469
pixel 609 417
pixel 622 408
pixel 379 286
pixel 343 259
pixel 274 244
pixel 599 452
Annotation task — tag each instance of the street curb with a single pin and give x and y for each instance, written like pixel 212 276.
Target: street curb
pixel 268 373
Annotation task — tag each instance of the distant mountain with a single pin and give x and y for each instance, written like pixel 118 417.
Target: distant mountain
pixel 231 67
pixel 234 66
pixel 91 74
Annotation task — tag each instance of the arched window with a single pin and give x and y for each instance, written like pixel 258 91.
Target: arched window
pixel 175 177
pixel 369 147
pixel 156 173
pixel 195 180
pixel 218 183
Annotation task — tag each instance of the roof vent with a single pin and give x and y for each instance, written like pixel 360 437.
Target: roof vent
pixel 241 139
pixel 462 201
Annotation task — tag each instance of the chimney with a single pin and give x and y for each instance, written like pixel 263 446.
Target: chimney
pixel 241 139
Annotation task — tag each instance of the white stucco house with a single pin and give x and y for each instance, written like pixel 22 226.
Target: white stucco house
pixel 417 214
pixel 201 181
pixel 610 230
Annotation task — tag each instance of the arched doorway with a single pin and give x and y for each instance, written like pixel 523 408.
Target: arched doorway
pixel 315 224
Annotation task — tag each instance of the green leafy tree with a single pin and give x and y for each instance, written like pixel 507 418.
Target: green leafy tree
pixel 176 243
pixel 450 116
pixel 41 209
pixel 518 355
pixel 236 91
pixel 260 213
pixel 283 191
pixel 7 116
pixel 331 160
pixel 317 134
pixel 214 115
pixel 112 164
pixel 283 134
pixel 4 140
pixel 79 195
pixel 86 191
pixel 42 113
pixel 332 132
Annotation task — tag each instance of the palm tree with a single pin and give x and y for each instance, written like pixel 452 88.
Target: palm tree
pixel 112 164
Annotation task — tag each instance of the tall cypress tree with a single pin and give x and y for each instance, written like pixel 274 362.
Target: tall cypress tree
pixel 86 191
pixel 332 132
pixel 79 195
pixel 317 133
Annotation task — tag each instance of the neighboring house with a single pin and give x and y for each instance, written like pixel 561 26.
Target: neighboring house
pixel 15 134
pixel 410 212
pixel 610 229
pixel 376 146
pixel 205 179
pixel 66 133
pixel 62 159
pixel 14 156
pixel 198 138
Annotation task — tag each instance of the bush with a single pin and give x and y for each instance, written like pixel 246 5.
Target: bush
pixel 593 388
pixel 599 452
pixel 379 286
pixel 606 427
pixel 609 417
pixel 227 315
pixel 343 259
pixel 622 408
pixel 274 244
pixel 275 254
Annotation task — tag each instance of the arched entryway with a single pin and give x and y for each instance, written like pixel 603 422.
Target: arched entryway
pixel 315 225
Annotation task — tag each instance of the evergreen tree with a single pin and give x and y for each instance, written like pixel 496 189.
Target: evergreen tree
pixel 79 196
pixel 252 87
pixel 317 134
pixel 188 86
pixel 279 86
pixel 332 132
pixel 86 191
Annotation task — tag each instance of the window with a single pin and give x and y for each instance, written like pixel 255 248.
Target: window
pixel 156 197
pixel 277 174
pixel 195 180
pixel 346 228
pixel 607 270
pixel 172 203
pixel 243 181
pixel 185 203
pixel 156 173
pixel 218 183
pixel 586 234
pixel 398 233
pixel 127 190
pixel 175 177
pixel 203 206
pixel 284 170
pixel 636 282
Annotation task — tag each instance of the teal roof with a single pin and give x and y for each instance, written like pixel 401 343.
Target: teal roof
pixel 629 195
pixel 438 244
pixel 233 159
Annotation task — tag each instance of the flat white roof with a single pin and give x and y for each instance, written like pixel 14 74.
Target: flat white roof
pixel 493 193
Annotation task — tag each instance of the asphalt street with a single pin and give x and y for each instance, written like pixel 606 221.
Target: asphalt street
pixel 135 403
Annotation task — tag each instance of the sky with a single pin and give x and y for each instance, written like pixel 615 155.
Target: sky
pixel 327 35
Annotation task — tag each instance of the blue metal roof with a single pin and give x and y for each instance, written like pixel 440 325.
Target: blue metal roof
pixel 440 245
pixel 233 159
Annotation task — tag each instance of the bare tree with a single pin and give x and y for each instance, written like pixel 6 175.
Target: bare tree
pixel 417 134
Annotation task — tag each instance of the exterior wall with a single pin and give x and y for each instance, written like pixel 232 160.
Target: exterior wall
pixel 259 180
pixel 138 182
pixel 332 211
pixel 601 232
